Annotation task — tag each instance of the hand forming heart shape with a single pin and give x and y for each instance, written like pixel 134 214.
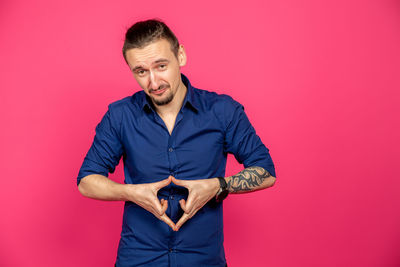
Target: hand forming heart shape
pixel 200 192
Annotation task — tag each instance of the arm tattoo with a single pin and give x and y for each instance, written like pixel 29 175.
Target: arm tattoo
pixel 249 179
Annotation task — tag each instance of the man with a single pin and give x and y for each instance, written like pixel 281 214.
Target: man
pixel 174 140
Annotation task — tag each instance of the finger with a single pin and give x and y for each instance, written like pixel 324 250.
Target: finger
pixel 164 204
pixel 163 183
pixel 158 208
pixel 189 204
pixel 168 221
pixel 194 212
pixel 183 205
pixel 181 221
pixel 179 182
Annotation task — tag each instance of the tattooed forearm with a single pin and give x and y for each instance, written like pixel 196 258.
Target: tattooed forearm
pixel 250 179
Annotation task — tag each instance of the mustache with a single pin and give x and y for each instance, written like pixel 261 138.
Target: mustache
pixel 160 87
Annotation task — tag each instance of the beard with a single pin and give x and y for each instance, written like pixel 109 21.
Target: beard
pixel 165 98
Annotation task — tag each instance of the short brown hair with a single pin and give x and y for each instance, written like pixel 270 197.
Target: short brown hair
pixel 145 32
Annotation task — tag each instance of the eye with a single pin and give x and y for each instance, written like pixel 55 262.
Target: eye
pixel 140 72
pixel 162 66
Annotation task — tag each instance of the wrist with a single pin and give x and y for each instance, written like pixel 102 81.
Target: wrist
pixel 222 192
pixel 216 185
pixel 126 192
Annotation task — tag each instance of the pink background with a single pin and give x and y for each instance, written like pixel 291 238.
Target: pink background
pixel 319 81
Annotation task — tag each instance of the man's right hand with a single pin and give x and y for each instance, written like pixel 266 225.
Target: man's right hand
pixel 145 195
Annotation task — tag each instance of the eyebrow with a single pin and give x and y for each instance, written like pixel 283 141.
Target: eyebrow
pixel 155 62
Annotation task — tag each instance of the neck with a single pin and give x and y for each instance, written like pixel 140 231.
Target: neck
pixel 173 107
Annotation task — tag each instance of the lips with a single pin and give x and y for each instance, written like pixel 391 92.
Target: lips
pixel 159 91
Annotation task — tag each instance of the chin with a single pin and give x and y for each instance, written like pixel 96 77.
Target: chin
pixel 163 101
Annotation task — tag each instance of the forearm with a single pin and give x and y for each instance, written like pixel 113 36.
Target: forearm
pixel 250 179
pixel 99 187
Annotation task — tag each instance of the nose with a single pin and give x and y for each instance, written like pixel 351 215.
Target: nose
pixel 154 82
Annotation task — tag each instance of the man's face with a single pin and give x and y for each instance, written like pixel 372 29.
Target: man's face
pixel 157 70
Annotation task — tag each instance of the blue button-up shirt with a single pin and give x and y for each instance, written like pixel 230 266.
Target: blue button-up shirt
pixel 207 128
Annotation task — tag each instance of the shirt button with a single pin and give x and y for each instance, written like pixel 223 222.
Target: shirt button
pixel 171 197
pixel 170 149
pixel 170 250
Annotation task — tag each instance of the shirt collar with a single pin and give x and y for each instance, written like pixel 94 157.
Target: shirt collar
pixel 189 99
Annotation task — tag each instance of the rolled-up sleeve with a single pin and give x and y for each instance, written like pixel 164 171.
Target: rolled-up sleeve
pixel 106 149
pixel 241 139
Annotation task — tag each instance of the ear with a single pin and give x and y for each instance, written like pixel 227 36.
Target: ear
pixel 181 56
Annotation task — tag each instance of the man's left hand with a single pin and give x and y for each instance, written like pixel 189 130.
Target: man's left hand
pixel 200 192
